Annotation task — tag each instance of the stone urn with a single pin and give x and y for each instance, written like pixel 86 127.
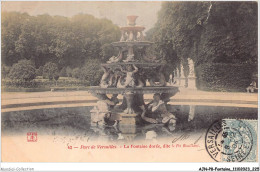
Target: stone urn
pixel 131 20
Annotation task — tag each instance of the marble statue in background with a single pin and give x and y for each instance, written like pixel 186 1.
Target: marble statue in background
pixel 191 68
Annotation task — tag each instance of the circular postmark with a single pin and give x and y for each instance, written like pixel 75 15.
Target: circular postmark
pixel 228 140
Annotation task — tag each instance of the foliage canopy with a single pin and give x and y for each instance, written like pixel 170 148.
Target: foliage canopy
pixel 61 40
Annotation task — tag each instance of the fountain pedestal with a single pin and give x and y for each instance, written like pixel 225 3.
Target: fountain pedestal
pixel 129 103
pixel 128 119
pixel 128 131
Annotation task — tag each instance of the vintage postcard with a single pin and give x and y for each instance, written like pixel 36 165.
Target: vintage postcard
pixel 129 81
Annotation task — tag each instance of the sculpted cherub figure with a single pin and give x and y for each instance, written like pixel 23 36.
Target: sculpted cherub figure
pixel 140 36
pixel 105 80
pixel 129 80
pixel 123 36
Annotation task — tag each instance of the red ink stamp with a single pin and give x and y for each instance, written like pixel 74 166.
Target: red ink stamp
pixel 32 137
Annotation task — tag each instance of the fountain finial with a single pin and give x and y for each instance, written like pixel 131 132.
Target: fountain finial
pixel 131 20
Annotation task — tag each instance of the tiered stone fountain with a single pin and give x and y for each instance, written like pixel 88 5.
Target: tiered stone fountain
pixel 131 77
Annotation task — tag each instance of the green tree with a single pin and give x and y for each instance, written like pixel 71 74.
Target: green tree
pixel 39 71
pixel 56 76
pixel 208 33
pixel 76 73
pixel 91 72
pixel 218 32
pixel 61 40
pixel 50 70
pixel 5 71
pixel 63 72
pixel 24 70
pixel 69 72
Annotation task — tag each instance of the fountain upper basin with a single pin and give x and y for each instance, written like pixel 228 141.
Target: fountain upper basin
pixel 132 28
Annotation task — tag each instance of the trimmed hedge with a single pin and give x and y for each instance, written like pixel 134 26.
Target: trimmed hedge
pixel 43 84
pixel 224 77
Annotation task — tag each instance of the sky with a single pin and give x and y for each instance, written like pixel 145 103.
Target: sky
pixel 115 11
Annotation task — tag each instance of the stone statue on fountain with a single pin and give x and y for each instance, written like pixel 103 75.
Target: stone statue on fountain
pixel 106 78
pixel 118 58
pixel 130 80
pixel 156 112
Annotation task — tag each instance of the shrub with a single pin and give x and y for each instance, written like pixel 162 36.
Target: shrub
pixel 76 73
pixel 24 70
pixel 10 84
pixel 63 72
pixel 69 72
pixel 91 72
pixel 39 71
pixel 224 77
pixel 5 71
pixel 19 84
pixel 49 70
pixel 56 76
